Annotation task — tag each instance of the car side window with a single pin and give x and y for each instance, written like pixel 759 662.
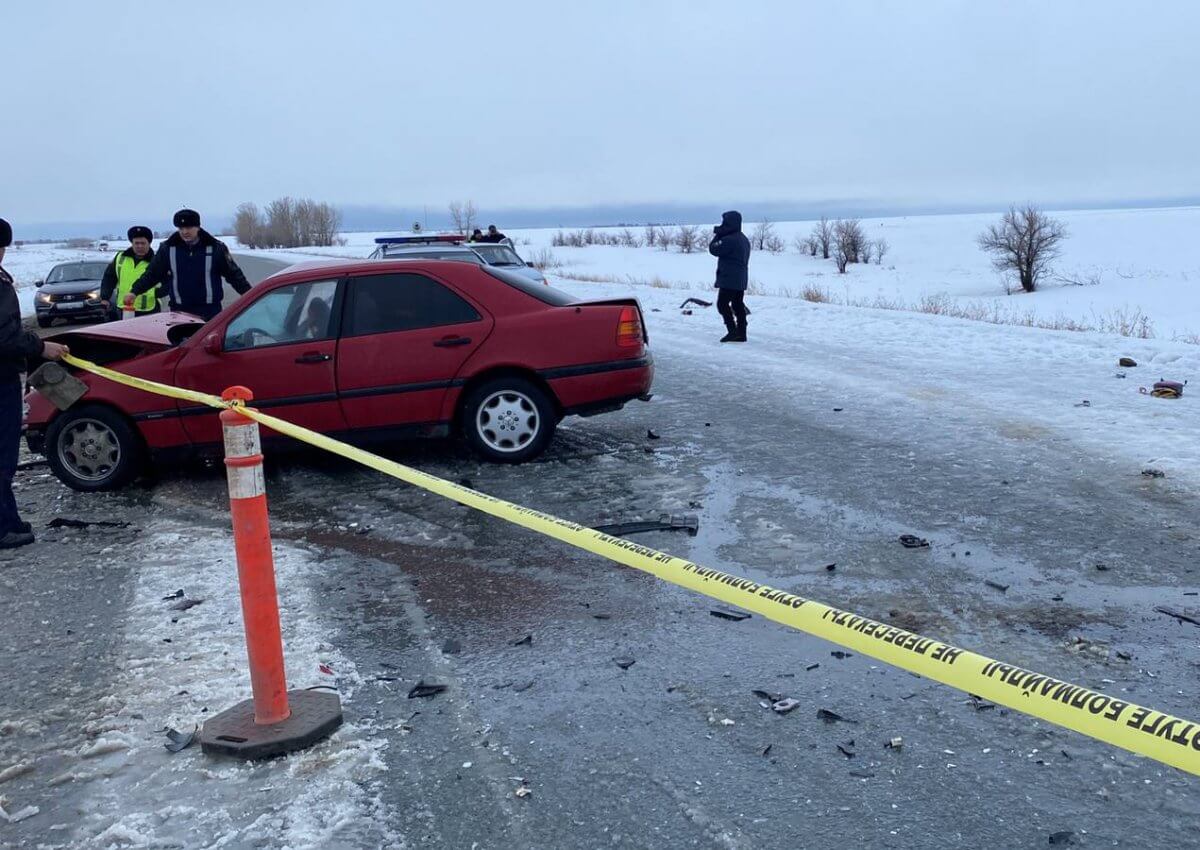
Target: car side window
pixel 303 311
pixel 402 302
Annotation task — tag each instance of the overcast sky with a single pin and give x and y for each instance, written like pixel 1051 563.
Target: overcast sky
pixel 134 109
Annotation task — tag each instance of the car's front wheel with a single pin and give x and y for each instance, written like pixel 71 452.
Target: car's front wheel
pixel 509 420
pixel 93 448
pixel 44 321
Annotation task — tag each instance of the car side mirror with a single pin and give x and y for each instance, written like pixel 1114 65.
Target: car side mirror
pixel 212 343
pixel 39 284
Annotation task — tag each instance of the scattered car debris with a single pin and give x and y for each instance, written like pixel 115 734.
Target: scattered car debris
pixel 1118 374
pixel 896 743
pixel 838 409
pixel 185 603
pixel 1151 472
pixel 382 678
pixel 727 614
pixel 421 689
pixel 1127 363
pixel 68 522
pixel 911 541
pixel 1063 838
pixel 326 669
pixel 979 704
pixel 846 748
pixel 1102 567
pixel 837 653
pixel 862 774
pixel 652 435
pixel 832 716
pixel 687 312
pixel 830 567
pixel 624 662
pixel 601 616
pixel 1084 403
pixel 697 301
pixel 525 641
pixel 18 816
pixel 666 522
pixel 1164 389
pixel 783 706
pixel 523 792
pixel 1124 656
pixel 179 741
pixel 811 667
pixel 769 696
pixel 451 647
pixel 766 751
pixel 1003 588
pixel 176 595
pixel 1178 615
pixel 727 721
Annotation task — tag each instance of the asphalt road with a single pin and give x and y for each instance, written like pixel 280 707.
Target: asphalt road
pixel 676 751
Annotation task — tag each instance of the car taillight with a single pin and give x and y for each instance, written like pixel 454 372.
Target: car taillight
pixel 629 328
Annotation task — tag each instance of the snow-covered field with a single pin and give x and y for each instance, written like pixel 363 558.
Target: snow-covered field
pixel 1145 263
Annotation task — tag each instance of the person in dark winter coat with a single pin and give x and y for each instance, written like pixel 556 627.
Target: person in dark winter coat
pixel 732 250
pixel 492 235
pixel 17 346
pixel 191 264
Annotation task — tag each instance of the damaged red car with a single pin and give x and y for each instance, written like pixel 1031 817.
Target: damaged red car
pixel 364 350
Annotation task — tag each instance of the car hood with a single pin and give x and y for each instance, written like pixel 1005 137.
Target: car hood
pixel 165 329
pixel 69 287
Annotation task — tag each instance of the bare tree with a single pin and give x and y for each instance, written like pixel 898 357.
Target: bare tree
pixel 651 235
pixel 763 231
pixel 687 238
pixel 848 242
pixel 248 225
pixel 1023 243
pixel 823 236
pixel 463 215
pixel 881 248
pixel 628 239
pixel 666 238
pixel 774 244
pixel 865 251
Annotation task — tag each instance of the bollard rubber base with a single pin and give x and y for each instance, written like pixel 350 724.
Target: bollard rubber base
pixel 233 732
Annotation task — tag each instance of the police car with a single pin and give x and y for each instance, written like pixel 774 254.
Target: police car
pixel 453 246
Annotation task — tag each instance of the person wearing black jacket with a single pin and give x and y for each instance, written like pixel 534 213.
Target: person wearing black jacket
pixel 17 345
pixel 732 250
pixel 492 235
pixel 191 264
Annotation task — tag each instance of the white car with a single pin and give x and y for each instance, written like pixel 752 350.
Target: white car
pixel 453 247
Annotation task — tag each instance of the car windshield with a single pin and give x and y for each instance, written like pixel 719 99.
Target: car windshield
pixel 76 271
pixel 499 255
pixel 540 291
pixel 461 256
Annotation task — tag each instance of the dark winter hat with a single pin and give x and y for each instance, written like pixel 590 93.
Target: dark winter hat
pixel 140 232
pixel 187 218
pixel 5 233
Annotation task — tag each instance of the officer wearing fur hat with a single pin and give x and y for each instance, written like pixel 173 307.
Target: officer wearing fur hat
pixel 191 264
pixel 125 270
pixel 17 345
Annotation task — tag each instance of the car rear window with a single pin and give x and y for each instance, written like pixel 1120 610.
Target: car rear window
pixel 545 294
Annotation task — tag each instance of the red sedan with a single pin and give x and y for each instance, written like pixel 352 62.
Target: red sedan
pixel 368 350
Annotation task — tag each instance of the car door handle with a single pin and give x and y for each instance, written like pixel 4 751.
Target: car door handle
pixel 314 357
pixel 451 341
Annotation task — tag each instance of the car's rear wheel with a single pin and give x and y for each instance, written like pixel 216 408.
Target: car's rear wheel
pixel 93 448
pixel 509 419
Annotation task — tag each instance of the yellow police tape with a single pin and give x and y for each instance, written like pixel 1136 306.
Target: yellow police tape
pixel 1163 737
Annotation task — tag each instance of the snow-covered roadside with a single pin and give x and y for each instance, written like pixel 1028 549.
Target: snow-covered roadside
pixel 1026 384
pixel 183 666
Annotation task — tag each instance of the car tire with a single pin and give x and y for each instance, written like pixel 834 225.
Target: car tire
pixel 509 419
pixel 93 448
pixel 44 321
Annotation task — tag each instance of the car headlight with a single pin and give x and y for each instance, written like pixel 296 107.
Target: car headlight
pixel 94 295
pixel 43 297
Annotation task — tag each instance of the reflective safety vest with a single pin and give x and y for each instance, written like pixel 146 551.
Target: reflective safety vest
pixel 129 270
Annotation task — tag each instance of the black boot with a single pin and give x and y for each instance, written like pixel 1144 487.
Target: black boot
pixel 739 335
pixel 730 332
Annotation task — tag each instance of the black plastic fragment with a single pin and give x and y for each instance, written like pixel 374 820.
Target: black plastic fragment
pixel 421 689
pixel 177 741
pixel 625 662
pixel 727 614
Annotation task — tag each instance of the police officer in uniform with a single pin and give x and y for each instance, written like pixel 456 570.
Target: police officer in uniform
pixel 16 346
pixel 123 273
pixel 191 264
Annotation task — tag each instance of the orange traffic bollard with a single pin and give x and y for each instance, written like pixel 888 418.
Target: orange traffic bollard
pixel 274 721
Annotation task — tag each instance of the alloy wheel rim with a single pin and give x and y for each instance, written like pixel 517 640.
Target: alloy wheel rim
pixel 89 449
pixel 507 421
